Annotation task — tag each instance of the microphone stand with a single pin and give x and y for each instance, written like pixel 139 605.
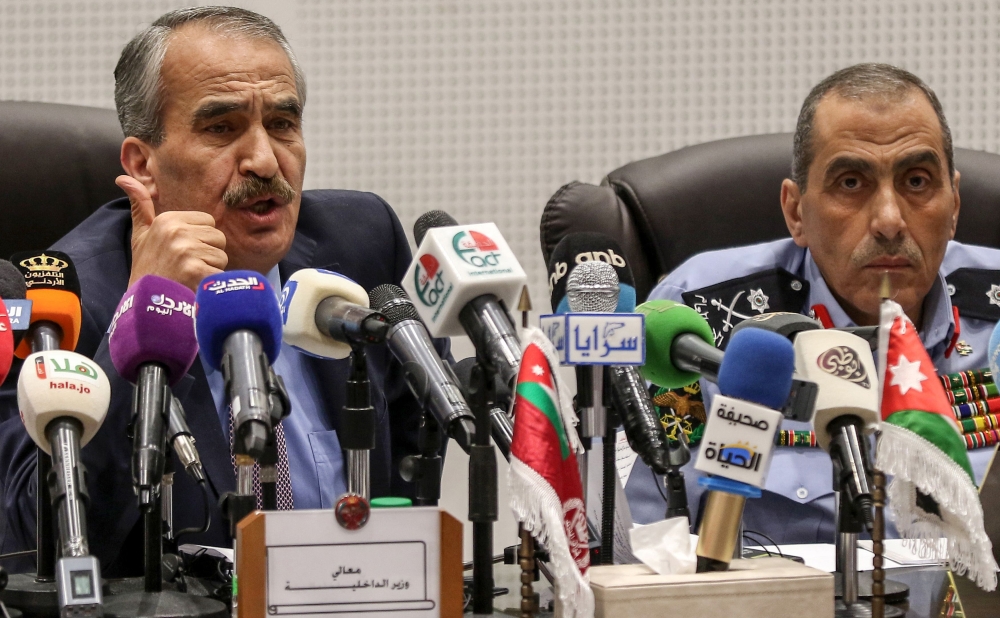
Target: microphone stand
pixel 609 472
pixel 154 601
pixel 357 425
pixel 37 592
pixel 677 502
pixel 482 487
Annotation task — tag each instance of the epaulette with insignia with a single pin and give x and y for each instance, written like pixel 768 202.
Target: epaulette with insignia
pixel 727 304
pixel 976 293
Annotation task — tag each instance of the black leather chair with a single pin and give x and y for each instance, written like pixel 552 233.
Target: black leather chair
pixel 58 163
pixel 721 194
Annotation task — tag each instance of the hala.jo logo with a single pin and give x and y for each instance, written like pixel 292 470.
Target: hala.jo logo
pixel 476 248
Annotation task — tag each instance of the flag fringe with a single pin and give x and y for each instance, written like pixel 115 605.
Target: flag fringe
pixel 915 463
pixel 537 507
pixel 532 335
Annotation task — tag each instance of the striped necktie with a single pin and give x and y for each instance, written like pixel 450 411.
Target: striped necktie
pixel 282 479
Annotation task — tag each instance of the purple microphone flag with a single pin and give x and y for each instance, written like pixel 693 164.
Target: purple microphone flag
pixel 154 323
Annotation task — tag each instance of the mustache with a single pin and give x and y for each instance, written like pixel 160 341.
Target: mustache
pixel 253 186
pixel 874 248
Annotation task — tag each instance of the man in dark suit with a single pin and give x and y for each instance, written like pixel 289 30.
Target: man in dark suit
pixel 210 101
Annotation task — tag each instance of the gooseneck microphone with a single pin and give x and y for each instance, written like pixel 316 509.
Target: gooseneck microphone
pixel 461 280
pixel 754 381
pixel 180 439
pixel 843 367
pixel 54 291
pixel 238 326
pixel 63 398
pixel 431 380
pixel 152 345
pixel 327 314
pixel 680 346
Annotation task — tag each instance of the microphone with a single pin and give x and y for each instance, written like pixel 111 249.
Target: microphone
pixel 739 434
pixel 501 427
pixel 6 343
pixel 179 437
pixel 63 398
pixel 12 292
pixel 152 344
pixel 680 346
pixel 238 326
pixel 581 247
pixel 431 380
pixel 843 367
pixel 462 280
pixel 54 291
pixel 324 313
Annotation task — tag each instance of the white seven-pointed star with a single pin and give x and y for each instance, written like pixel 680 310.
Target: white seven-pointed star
pixel 537 370
pixel 906 375
pixel 994 294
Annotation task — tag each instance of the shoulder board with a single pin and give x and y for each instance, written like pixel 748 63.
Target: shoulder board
pixel 976 293
pixel 727 304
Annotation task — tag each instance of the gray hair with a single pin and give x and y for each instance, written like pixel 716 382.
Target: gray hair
pixel 138 83
pixel 861 81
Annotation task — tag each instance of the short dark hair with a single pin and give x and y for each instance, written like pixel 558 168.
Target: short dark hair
pixel 861 81
pixel 138 92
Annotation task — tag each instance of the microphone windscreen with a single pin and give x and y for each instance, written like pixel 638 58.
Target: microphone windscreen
pixel 236 300
pixel 433 218
pixel 301 296
pixel 12 285
pixel 843 367
pixel 994 352
pixel 57 384
pixel 758 368
pixel 392 302
pixel 665 321
pixel 592 287
pixel 154 323
pixel 580 247
pixel 54 291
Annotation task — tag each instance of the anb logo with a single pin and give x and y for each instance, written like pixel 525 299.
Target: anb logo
pixel 428 279
pixel 476 248
pixel 286 299
pixel 601 256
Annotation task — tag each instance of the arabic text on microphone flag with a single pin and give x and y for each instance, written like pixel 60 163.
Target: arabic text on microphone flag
pixel 544 477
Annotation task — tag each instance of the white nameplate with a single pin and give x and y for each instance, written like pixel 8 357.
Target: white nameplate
pixel 738 440
pixel 315 567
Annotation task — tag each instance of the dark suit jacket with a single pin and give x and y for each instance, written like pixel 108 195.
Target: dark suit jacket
pixel 356 234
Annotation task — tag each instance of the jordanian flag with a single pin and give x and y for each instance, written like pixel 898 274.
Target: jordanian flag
pixel 933 492
pixel 545 490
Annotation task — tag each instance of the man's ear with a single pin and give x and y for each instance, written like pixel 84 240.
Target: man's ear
pixel 791 208
pixel 958 203
pixel 135 159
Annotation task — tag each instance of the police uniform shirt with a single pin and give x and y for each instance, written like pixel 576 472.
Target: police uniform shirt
pixel 730 285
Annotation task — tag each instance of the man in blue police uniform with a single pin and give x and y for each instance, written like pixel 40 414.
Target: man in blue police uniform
pixel 873 190
pixel 210 101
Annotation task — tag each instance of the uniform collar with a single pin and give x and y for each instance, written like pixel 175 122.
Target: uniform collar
pixel 939 318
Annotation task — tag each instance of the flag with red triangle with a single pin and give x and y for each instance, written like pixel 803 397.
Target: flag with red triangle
pixel 932 493
pixel 546 493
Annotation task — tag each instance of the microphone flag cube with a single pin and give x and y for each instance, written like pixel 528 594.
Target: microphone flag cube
pixel 843 368
pixel 154 323
pixel 236 300
pixel 60 383
pixel 54 289
pixel 739 440
pixel 302 294
pixel 455 264
pixel 6 344
pixel 597 338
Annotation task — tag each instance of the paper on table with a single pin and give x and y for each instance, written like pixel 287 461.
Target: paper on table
pixel 624 458
pixel 901 551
